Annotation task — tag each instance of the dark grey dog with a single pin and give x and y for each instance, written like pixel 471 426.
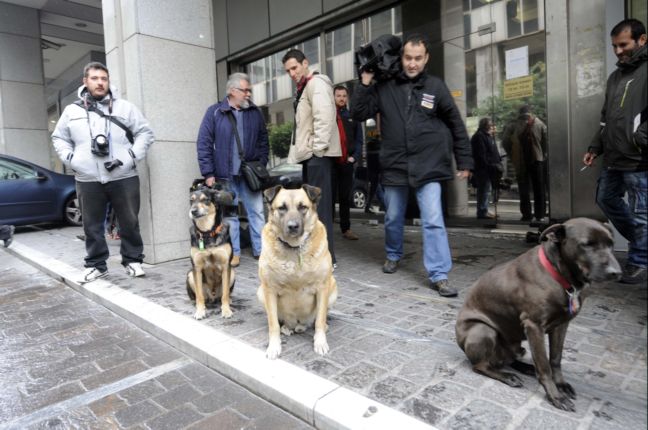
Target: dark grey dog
pixel 539 292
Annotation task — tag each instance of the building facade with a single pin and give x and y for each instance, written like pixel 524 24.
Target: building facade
pixel 172 59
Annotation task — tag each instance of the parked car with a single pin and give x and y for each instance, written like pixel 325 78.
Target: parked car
pixel 31 194
pixel 290 176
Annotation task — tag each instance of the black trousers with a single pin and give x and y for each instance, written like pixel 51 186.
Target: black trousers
pixel 342 189
pixel 318 171
pixel 533 178
pixel 124 195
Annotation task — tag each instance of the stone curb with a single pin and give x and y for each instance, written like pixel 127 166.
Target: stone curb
pixel 318 401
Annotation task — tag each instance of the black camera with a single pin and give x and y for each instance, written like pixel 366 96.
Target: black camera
pixel 100 146
pixel 110 165
pixel 381 57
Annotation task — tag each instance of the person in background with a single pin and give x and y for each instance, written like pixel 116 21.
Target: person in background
pixel 623 144
pixel 488 165
pixel 316 140
pixel 351 145
pixel 218 155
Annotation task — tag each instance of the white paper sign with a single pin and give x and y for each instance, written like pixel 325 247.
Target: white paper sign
pixel 517 62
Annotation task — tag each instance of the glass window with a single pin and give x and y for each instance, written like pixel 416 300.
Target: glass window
pixel 381 23
pixel 530 15
pixel 341 40
pixel 10 171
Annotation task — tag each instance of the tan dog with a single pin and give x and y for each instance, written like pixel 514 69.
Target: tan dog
pixel 211 276
pixel 295 267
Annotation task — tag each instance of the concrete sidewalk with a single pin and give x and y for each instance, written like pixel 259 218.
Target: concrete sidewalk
pixel 393 362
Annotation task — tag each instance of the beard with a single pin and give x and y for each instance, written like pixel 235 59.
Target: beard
pixel 245 104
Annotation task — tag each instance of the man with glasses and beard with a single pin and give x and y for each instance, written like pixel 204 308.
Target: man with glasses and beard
pixel 219 158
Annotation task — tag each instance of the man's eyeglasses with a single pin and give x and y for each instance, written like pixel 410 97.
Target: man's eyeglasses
pixel 245 90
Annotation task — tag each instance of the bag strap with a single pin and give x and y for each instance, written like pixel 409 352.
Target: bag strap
pixel 232 120
pixel 118 123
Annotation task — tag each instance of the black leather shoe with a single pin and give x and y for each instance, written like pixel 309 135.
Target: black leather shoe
pixel 444 288
pixel 390 266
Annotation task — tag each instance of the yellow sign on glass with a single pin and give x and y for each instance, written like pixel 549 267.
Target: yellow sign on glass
pixel 518 88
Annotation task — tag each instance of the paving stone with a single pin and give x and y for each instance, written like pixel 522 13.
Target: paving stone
pixel 611 416
pixel 546 420
pixel 445 395
pixel 175 419
pixel 142 391
pixel 223 420
pixel 322 367
pixel 114 374
pixel 359 376
pixel 424 411
pixel 391 391
pixel 107 405
pixel 172 379
pixel 480 414
pixel 176 396
pixel 389 360
pixel 137 413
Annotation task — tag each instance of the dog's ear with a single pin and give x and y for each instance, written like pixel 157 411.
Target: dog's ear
pixel 555 233
pixel 313 193
pixel 270 194
pixel 221 197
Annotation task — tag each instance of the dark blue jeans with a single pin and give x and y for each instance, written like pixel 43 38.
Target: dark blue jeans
pixel 631 218
pixel 125 198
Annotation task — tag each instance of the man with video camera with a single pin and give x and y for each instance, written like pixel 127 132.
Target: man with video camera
pixel 420 127
pixel 102 138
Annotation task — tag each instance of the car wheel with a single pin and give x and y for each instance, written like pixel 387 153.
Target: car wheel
pixel 72 211
pixel 359 198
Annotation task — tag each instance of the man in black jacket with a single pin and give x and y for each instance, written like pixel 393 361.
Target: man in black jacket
pixel 420 127
pixel 351 145
pixel 488 165
pixel 623 142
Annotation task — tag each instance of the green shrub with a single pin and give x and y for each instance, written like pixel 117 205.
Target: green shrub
pixel 279 136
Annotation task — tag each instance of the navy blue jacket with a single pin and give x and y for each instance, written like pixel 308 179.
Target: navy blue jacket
pixel 214 144
pixel 353 132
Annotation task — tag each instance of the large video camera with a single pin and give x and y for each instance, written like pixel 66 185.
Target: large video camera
pixel 380 57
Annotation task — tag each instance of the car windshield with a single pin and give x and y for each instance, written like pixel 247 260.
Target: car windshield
pixel 10 170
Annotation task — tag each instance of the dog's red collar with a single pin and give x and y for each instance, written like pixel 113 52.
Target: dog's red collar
pixel 573 301
pixel 552 270
pixel 211 233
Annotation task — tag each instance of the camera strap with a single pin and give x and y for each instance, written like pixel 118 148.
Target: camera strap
pixel 118 123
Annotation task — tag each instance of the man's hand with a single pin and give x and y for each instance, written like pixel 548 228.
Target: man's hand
pixel 588 159
pixel 366 77
pixel 210 181
pixel 351 160
pixel 463 174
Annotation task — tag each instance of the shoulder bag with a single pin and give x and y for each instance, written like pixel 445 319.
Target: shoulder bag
pixel 254 172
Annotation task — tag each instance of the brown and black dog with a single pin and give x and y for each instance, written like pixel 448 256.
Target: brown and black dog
pixel 212 275
pixel 295 268
pixel 539 292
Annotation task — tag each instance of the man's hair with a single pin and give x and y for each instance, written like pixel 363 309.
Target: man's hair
pixel 340 88
pixel 636 28
pixel 416 39
pixel 293 53
pixel 484 122
pixel 234 80
pixel 95 65
pixel 524 109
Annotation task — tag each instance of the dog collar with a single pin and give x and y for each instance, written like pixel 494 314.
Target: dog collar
pixel 572 293
pixel 211 233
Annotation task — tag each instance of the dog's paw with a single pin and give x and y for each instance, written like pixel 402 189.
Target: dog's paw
pixel 562 402
pixel 320 345
pixel 512 380
pixel 274 349
pixel 285 330
pixel 300 328
pixel 226 312
pixel 566 389
pixel 200 313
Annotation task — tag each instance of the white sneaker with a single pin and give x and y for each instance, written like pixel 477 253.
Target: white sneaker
pixel 92 273
pixel 134 269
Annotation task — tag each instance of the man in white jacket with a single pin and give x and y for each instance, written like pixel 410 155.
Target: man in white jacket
pixel 102 138
pixel 316 140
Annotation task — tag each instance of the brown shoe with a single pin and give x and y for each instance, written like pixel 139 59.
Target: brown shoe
pixel 350 235
pixel 236 260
